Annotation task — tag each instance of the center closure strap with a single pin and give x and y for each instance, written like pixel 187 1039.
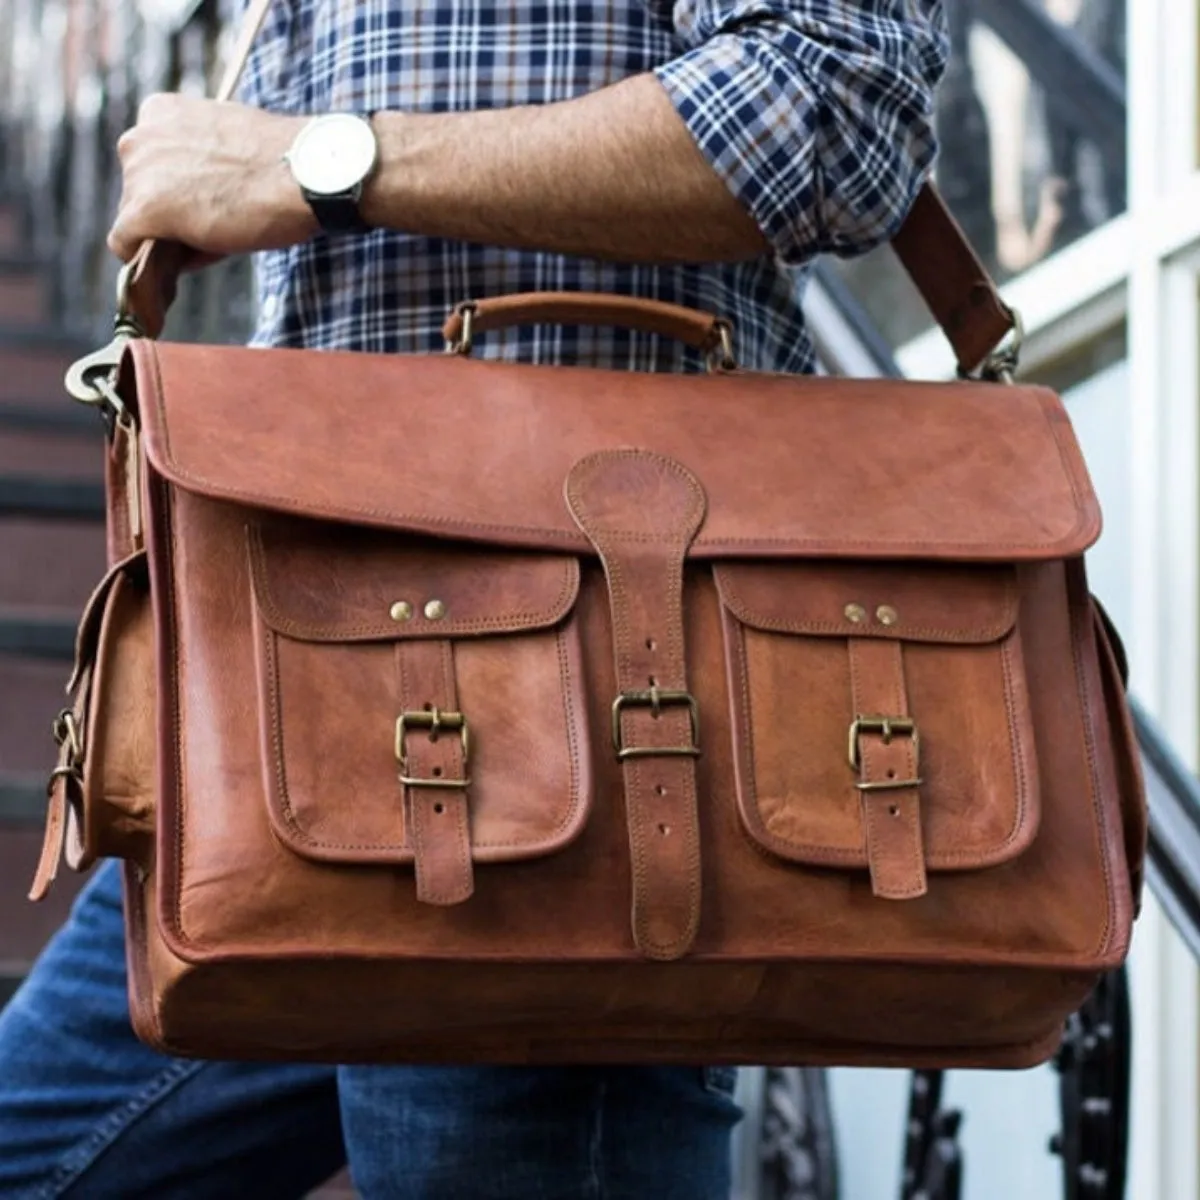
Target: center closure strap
pixel 885 753
pixel 641 512
pixel 433 755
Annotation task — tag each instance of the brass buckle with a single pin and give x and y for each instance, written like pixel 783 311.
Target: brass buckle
pixel 888 727
pixel 466 340
pixel 435 721
pixel 656 700
pixel 720 356
pixel 69 739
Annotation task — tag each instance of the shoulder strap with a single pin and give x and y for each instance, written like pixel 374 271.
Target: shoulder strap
pixel 930 244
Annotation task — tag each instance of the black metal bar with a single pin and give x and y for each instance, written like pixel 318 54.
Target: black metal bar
pixel 23 796
pixel 30 496
pixel 1085 88
pixel 37 636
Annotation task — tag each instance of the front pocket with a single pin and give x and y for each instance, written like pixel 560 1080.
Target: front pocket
pixel 928 660
pixel 418 700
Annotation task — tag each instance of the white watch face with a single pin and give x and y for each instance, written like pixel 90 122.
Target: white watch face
pixel 333 153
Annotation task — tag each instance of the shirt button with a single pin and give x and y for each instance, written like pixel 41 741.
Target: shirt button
pixel 270 307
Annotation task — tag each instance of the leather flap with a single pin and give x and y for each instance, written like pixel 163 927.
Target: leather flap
pixel 943 603
pixel 329 583
pixel 791 466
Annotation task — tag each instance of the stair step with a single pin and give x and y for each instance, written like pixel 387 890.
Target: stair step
pixel 27 927
pixel 22 798
pixel 53 455
pixel 32 370
pixel 50 563
pixel 35 633
pixel 11 975
pixel 10 229
pixel 32 693
pixel 57 417
pixel 34 496
pixel 22 292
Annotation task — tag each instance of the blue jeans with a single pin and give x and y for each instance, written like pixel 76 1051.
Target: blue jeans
pixel 88 1112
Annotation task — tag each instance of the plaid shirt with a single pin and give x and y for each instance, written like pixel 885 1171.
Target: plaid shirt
pixel 816 113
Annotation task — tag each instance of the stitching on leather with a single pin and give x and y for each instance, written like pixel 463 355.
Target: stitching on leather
pixel 171 635
pixel 305 840
pixel 1086 709
pixel 275 616
pixel 462 815
pixel 294 503
pixel 741 608
pixel 567 696
pixel 812 853
pixel 1016 747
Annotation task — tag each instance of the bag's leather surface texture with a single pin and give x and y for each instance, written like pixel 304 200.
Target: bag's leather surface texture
pixel 534 714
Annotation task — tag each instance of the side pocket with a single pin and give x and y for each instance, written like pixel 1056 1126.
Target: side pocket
pixel 116 817
pixel 1114 673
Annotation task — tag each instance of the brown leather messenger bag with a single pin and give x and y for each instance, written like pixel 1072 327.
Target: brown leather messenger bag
pixel 450 711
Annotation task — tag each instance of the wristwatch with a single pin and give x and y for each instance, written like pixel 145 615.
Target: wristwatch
pixel 331 158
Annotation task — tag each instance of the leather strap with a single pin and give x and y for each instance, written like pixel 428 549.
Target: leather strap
pixel 694 328
pixel 64 792
pixel 952 281
pixel 125 535
pixel 431 749
pixel 930 244
pixel 886 745
pixel 641 512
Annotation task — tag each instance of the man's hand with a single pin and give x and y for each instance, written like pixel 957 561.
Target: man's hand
pixel 210 175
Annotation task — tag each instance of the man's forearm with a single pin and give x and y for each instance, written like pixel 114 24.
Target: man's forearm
pixel 614 174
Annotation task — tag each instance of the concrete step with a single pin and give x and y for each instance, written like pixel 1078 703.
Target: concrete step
pixel 51 499
pixel 54 563
pixel 22 291
pixel 33 362
pixel 32 692
pixel 22 937
pixel 22 798
pixel 42 632
pixel 10 229
pixel 52 455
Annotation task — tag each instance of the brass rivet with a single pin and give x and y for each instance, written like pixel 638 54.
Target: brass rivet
pixel 401 611
pixel 885 614
pixel 855 613
pixel 435 610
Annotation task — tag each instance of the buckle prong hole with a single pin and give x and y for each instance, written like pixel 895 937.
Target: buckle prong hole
pixel 891 774
pixel 893 810
pixel 662 791
pixel 651 644
pixel 439 808
pixel 664 830
pixel 437 772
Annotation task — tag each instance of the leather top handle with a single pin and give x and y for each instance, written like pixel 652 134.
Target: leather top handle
pixel 930 244
pixel 702 331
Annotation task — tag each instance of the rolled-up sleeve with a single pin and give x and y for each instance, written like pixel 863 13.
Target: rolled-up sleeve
pixel 817 114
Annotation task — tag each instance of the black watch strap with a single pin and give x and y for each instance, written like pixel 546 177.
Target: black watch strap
pixel 337 214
